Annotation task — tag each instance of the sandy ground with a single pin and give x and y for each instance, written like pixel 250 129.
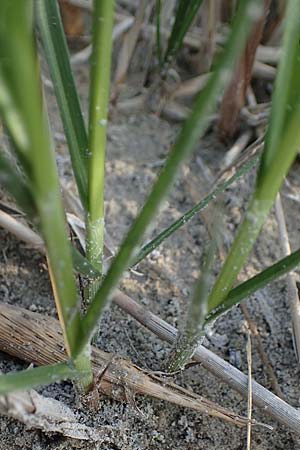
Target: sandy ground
pixel 137 145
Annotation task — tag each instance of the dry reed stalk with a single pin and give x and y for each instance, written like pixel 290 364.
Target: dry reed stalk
pixel 249 406
pixel 262 354
pixel 290 278
pixel 235 94
pixel 128 47
pixel 73 19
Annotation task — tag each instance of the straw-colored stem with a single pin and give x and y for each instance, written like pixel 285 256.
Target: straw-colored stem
pixel 249 400
pixel 290 278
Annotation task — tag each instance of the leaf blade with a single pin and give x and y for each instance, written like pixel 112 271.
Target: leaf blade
pixel 259 281
pixel 185 14
pixel 31 378
pixel 58 59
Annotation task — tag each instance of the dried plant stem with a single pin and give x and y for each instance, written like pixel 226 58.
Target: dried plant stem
pixel 128 47
pixel 234 152
pixel 234 97
pixel 22 232
pixel 249 407
pixel 269 403
pixel 84 54
pixel 37 338
pixel 291 281
pixel 262 354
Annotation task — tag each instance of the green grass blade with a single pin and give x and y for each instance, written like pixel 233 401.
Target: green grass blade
pixel 259 281
pixel 31 378
pixel 158 32
pixel 185 14
pixel 12 181
pixel 190 133
pixel 219 188
pixel 18 56
pixel 279 153
pixel 190 337
pixel 99 100
pixel 57 55
pixel 286 94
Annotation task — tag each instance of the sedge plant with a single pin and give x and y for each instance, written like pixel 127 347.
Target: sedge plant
pixel 33 180
pixel 280 149
pixel 184 16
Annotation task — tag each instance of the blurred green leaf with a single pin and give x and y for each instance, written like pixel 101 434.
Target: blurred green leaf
pixel 158 32
pixel 286 96
pixel 185 14
pixel 57 55
pixel 12 180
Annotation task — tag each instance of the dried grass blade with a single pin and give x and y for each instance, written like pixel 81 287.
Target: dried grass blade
pixel 291 281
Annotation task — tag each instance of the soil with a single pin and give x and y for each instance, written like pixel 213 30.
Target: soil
pixel 138 143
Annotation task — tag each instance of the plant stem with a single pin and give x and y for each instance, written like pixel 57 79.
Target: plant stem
pixel 292 289
pixel 81 264
pixel 235 296
pixel 99 98
pixel 193 331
